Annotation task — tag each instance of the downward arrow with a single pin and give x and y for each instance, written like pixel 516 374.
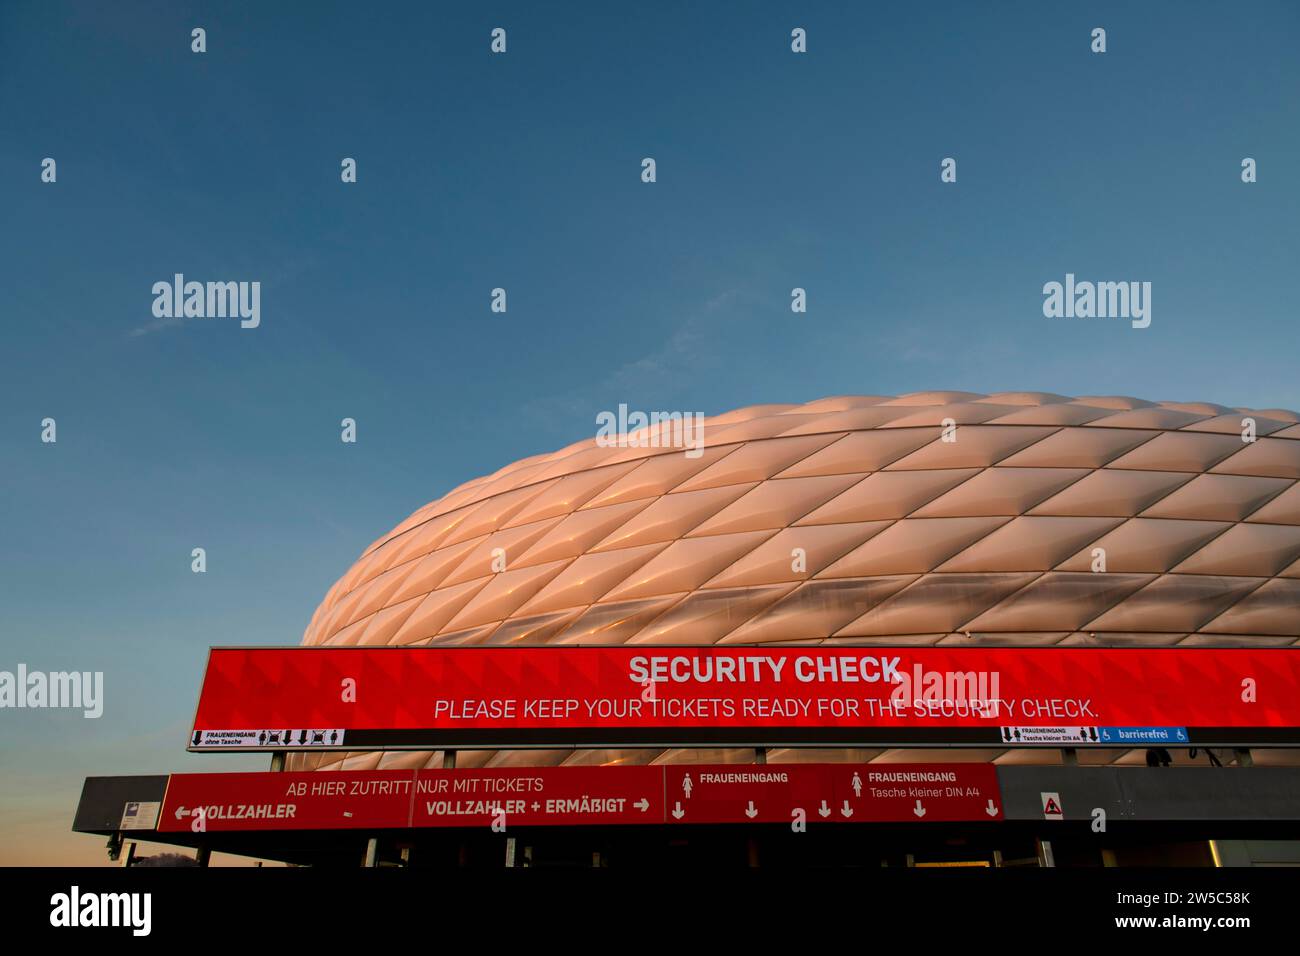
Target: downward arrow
pixel 991 810
pixel 750 811
pixel 643 804
pixel 919 810
pixel 825 811
pixel 678 813
pixel 846 811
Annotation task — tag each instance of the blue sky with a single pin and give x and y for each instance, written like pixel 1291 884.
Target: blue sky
pixel 523 171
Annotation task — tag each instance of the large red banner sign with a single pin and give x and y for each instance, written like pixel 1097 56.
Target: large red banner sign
pixel 580 796
pixel 466 697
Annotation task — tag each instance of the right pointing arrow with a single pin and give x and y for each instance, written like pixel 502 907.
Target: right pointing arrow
pixel 919 810
pixel 991 810
pixel 643 804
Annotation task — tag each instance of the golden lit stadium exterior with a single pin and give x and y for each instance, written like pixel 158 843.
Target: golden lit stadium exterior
pixel 933 518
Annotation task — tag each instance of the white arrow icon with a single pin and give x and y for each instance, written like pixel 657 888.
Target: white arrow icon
pixel 181 812
pixel 857 785
pixel 750 811
pixel 919 810
pixel 991 810
pixel 686 786
pixel 643 804
pixel 678 812
pixel 846 811
pixel 825 811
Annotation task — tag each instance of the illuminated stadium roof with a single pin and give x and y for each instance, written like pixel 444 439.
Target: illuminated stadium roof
pixel 854 520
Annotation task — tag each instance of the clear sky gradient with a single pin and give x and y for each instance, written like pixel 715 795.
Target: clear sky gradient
pixel 522 171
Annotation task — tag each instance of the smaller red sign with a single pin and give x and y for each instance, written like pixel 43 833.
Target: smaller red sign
pixel 538 796
pixel 340 800
pixel 897 793
pixel 838 793
pixel 741 793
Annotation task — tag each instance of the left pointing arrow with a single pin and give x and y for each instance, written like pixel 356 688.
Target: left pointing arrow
pixel 180 812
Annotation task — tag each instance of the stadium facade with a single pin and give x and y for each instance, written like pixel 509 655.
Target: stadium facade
pixel 1021 519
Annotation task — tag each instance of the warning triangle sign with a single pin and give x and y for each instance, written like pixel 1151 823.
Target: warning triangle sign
pixel 1052 806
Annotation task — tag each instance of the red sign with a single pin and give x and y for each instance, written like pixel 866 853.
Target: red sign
pixel 349 698
pixel 835 793
pixel 344 800
pixel 740 793
pixel 579 796
pixel 539 796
